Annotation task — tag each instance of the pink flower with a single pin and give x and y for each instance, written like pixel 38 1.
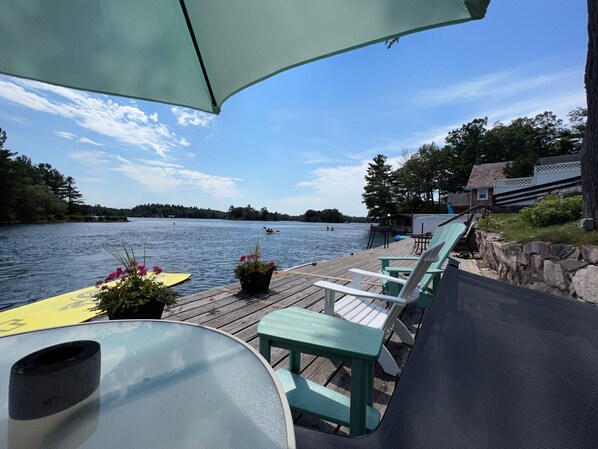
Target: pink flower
pixel 141 270
pixel 271 263
pixel 112 276
pixel 157 269
pixel 243 258
pixel 99 283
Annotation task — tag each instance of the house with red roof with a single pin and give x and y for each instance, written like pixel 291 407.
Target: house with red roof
pixel 481 182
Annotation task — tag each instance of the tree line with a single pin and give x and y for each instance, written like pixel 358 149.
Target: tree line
pixel 234 213
pixel 34 192
pixel 40 193
pixel 432 171
pixel 238 213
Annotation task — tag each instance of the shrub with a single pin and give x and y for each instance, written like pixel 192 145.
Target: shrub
pixel 488 223
pixel 552 210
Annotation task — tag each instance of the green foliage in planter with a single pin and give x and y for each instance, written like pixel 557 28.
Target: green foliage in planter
pixel 553 210
pixel 252 263
pixel 131 286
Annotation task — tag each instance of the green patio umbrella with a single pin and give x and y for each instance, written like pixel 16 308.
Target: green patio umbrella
pixel 197 53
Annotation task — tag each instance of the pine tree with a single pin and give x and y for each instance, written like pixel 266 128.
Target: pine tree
pixel 72 195
pixel 379 191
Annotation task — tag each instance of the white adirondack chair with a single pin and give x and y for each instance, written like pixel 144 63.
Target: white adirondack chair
pixel 360 306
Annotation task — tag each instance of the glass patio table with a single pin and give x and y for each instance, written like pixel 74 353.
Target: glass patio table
pixel 161 385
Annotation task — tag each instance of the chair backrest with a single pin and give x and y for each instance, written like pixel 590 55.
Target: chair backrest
pixel 450 235
pixel 410 291
pixel 494 366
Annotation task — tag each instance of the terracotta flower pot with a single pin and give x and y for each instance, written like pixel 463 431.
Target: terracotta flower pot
pixel 257 282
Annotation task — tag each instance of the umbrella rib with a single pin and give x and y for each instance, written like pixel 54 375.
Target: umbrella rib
pixel 196 46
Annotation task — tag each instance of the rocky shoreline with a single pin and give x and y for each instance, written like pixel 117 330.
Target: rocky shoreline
pixel 564 270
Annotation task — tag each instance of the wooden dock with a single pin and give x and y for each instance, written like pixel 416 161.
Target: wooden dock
pixel 235 312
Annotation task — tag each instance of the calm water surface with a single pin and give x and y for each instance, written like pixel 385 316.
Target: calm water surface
pixel 40 261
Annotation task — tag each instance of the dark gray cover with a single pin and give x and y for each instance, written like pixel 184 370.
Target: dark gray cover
pixel 494 366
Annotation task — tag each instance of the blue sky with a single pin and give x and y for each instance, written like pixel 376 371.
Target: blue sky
pixel 302 139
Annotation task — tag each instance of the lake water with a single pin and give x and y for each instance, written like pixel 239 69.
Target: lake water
pixel 40 261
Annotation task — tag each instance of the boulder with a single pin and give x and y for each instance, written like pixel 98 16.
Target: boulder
pixel 532 247
pixel 554 275
pixel 537 267
pixel 506 255
pixel 523 258
pixel 589 253
pixel 570 265
pixel 540 248
pixel 585 283
pixel 564 251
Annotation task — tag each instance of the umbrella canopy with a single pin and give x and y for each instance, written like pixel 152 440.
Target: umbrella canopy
pixel 197 53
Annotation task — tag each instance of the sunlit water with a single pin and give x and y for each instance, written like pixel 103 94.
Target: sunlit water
pixel 40 261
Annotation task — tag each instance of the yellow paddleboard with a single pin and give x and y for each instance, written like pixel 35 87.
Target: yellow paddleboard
pixel 69 308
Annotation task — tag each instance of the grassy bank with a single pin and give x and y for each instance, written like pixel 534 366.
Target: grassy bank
pixel 513 228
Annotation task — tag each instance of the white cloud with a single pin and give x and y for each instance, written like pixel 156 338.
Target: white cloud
pixel 94 159
pixel 186 117
pixel 89 141
pixel 560 104
pixel 498 85
pixel 339 187
pixel 501 86
pixel 160 163
pixel 124 122
pixel 65 135
pixel 315 157
pixel 159 176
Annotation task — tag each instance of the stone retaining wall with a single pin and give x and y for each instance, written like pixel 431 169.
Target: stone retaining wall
pixel 564 270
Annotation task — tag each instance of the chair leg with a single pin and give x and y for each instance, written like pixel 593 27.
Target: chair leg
pixel 403 333
pixel 388 363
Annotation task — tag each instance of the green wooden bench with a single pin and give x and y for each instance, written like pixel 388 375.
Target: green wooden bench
pixel 303 331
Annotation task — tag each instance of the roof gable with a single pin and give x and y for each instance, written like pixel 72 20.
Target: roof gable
pixel 483 175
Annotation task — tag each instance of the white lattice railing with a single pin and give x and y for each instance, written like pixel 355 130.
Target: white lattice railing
pixel 542 174
pixel 556 172
pixel 508 185
pixel 513 182
pixel 563 166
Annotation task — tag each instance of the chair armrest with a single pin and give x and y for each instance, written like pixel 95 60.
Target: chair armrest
pixel 398 258
pixel 410 269
pixel 331 288
pixel 378 275
pixel 453 262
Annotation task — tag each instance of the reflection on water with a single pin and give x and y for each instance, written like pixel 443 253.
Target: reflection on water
pixel 40 261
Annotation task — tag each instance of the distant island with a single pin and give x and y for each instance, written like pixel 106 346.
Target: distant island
pixel 233 213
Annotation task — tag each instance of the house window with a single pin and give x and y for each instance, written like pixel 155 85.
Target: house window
pixel 483 193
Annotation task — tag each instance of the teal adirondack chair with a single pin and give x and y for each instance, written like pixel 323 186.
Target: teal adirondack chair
pixel 450 234
pixel 379 311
